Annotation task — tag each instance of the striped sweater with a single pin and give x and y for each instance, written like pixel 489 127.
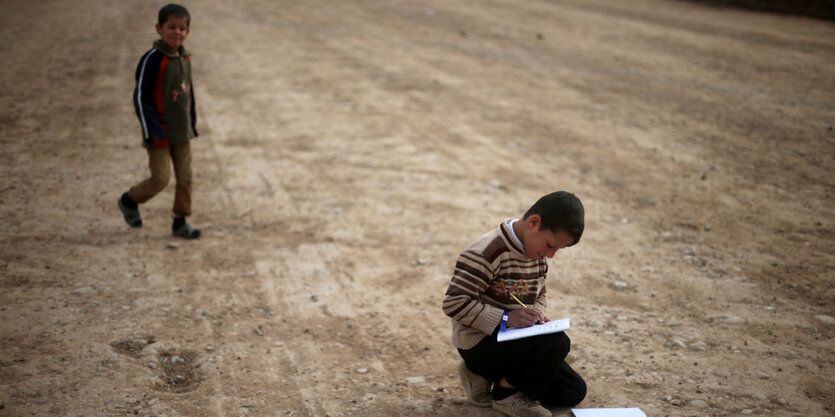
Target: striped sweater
pixel 477 297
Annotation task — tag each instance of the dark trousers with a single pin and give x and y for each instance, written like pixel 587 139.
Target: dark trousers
pixel 534 365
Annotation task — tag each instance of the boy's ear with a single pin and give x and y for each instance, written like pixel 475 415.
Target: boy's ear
pixel 533 222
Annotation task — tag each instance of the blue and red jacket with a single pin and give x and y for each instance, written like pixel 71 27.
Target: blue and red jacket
pixel 164 97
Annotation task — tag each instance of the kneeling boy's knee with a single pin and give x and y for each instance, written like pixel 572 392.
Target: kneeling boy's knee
pixel 577 394
pixel 559 344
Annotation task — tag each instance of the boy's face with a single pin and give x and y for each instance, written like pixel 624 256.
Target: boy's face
pixel 173 32
pixel 541 243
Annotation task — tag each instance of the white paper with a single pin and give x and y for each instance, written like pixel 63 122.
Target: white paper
pixel 552 326
pixel 607 412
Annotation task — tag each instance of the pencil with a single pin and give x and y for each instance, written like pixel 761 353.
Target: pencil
pixel 516 299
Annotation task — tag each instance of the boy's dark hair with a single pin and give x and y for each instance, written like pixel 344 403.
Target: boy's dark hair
pixel 560 211
pixel 173 10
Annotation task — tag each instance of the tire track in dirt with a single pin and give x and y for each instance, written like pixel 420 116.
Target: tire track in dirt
pixel 235 366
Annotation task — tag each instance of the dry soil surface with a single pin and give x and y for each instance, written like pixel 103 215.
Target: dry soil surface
pixel 349 150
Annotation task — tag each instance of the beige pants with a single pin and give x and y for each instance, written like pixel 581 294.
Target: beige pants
pixel 160 161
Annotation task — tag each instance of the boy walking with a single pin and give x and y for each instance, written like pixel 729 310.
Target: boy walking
pixel 164 103
pixel 514 377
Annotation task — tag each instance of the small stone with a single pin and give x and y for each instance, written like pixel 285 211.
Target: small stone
pixel 781 401
pixel 415 379
pixel 698 404
pixel 101 369
pixel 362 370
pixel 732 319
pixel 84 291
pixel 824 319
pixel 177 359
pixel 667 398
pixel 758 397
pixel 746 411
pixel 152 365
pixel 172 245
pixel 620 285
pixel 763 375
pixel 722 373
pixel 210 348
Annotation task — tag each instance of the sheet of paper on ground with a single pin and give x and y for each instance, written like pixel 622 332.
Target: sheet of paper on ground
pixel 607 412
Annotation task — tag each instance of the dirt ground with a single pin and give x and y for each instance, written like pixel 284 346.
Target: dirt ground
pixel 349 150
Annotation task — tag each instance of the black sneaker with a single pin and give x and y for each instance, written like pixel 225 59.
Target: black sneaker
pixel 131 215
pixel 185 231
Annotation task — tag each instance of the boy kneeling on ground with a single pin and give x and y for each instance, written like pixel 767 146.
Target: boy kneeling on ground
pixel 515 377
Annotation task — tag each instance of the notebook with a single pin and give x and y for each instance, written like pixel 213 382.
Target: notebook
pixel 552 326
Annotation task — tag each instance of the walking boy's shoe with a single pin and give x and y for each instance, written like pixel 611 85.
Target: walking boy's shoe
pixel 131 214
pixel 476 386
pixel 518 405
pixel 184 230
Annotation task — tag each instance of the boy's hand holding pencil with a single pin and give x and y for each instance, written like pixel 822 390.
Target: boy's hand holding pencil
pixel 525 316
